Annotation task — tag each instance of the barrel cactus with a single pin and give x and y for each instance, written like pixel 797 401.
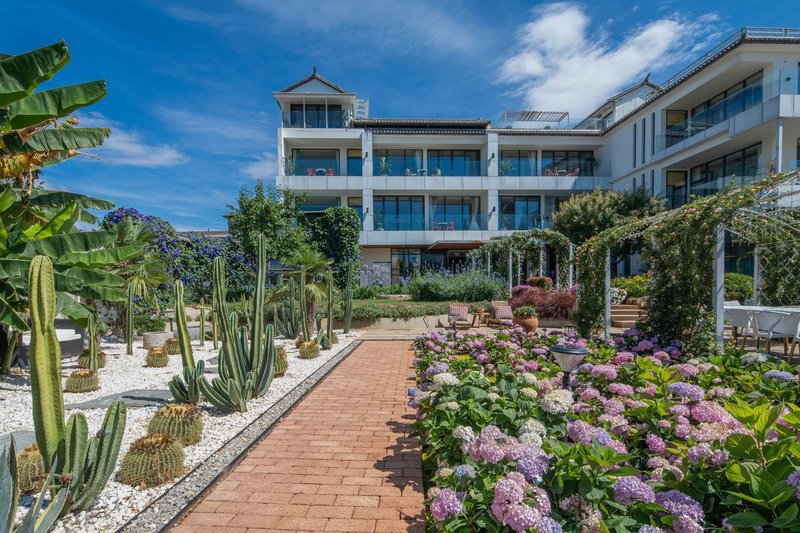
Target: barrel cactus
pixel 181 420
pixel 281 362
pixel 30 470
pixel 84 359
pixel 299 340
pixel 157 358
pixel 82 381
pixel 309 350
pixel 172 346
pixel 152 460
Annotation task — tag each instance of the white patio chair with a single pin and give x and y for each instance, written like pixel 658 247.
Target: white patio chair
pixel 768 325
pixel 788 329
pixel 741 320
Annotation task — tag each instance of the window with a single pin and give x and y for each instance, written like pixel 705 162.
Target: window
pixel 313 207
pixel 676 188
pixel 643 139
pixel 517 163
pixel 652 133
pixel 652 181
pixel 316 116
pixel 738 166
pixel 675 126
pixel 456 213
pixel 354 162
pixel 357 205
pixel 634 146
pixel 563 163
pixel 399 213
pixel 396 162
pixel 404 263
pixel 520 212
pixel 312 162
pixel 454 162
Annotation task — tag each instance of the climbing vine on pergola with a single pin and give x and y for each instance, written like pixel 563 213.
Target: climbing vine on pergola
pixel 525 247
pixel 682 247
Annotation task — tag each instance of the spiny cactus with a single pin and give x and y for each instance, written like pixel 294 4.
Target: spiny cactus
pixel 202 323
pixel 286 315
pixel 84 464
pixel 82 381
pixel 183 342
pixel 281 362
pixel 329 335
pixel 187 390
pixel 181 420
pixel 172 346
pixel 84 359
pixel 246 368
pixel 214 322
pixel 300 339
pixel 156 358
pixel 30 470
pixel 304 304
pixel 348 299
pixel 129 321
pixel 152 460
pixel 309 350
pixel 322 340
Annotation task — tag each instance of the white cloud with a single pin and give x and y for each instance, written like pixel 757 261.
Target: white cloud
pixel 128 148
pixel 265 166
pixel 562 63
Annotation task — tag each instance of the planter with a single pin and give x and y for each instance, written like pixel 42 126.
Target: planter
pixel 156 340
pixel 530 325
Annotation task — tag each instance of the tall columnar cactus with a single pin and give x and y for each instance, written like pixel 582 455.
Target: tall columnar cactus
pixel 247 357
pixel 329 314
pixel 45 357
pixel 287 313
pixel 304 305
pixel 215 322
pixel 348 298
pixel 184 343
pixel 94 359
pixel 129 321
pixel 84 464
pixel 202 323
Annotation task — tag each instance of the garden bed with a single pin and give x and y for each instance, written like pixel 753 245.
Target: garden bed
pixel 119 502
pixel 651 439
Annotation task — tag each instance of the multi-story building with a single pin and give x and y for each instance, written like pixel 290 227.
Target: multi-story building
pixel 429 189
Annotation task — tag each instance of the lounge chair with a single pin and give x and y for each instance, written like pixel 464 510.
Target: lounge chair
pixel 500 314
pixel 458 316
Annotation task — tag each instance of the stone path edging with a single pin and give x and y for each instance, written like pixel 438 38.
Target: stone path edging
pixel 177 501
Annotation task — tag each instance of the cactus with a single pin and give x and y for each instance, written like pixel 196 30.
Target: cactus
pixel 246 368
pixel 348 299
pixel 287 321
pixel 299 341
pixel 309 350
pixel 30 470
pixel 152 460
pixel 304 304
pixel 202 323
pixel 156 358
pixel 82 381
pixel 83 464
pixel 45 356
pixel 38 519
pixel 329 335
pixel 181 420
pixel 84 359
pixel 183 342
pixel 129 321
pixel 172 346
pixel 187 390
pixel 214 322
pixel 281 362
pixel 94 360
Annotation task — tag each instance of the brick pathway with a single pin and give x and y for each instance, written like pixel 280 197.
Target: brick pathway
pixel 340 461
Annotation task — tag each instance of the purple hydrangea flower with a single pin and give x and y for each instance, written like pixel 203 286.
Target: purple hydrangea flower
pixel 445 504
pixel 687 391
pixel 655 443
pixel 630 489
pixel 679 504
pixel 779 376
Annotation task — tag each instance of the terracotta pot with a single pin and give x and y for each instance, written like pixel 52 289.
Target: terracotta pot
pixel 530 325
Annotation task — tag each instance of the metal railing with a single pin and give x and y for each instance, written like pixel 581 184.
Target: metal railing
pixel 383 222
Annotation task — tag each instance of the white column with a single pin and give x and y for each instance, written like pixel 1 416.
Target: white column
pixel 779 145
pixel 510 270
pixel 607 297
pixel 541 260
pixel 571 266
pixel 369 209
pixel 519 270
pixel 757 276
pixel 492 147
pixel 492 210
pixel 538 162
pixel 489 263
pixel 718 296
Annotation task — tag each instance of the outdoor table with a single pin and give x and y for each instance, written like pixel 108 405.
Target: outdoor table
pixel 479 318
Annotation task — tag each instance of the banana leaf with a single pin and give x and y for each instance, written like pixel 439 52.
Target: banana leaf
pixel 104 257
pixel 54 103
pixel 56 199
pixel 10 317
pixel 73 309
pixel 21 74
pixel 59 245
pixel 53 140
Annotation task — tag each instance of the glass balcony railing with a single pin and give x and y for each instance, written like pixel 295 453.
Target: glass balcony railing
pixel 523 222
pixel 713 185
pixel 316 119
pixel 444 223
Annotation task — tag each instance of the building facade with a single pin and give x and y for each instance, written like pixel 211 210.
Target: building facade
pixel 429 189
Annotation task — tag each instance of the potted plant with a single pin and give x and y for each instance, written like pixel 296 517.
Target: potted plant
pixel 288 166
pixel 525 316
pixel 385 166
pixel 505 167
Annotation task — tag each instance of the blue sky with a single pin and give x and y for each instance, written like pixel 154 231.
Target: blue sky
pixel 189 83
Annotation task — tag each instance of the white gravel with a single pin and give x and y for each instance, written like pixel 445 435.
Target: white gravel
pixel 119 502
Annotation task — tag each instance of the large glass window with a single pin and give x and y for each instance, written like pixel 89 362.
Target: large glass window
pixel 454 162
pixel 357 205
pixel 397 162
pixel 313 162
pixel 676 188
pixel 399 213
pixel 404 263
pixel 520 212
pixel 456 213
pixel 567 163
pixel 738 166
pixel 517 163
pixel 313 207
pixel 354 166
pixel 316 116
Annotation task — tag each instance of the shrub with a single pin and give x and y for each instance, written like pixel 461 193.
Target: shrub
pixel 635 286
pixel 738 286
pixel 466 286
pixel 148 323
pixel 553 304
pixel 367 292
pixel 525 311
pixel 543 282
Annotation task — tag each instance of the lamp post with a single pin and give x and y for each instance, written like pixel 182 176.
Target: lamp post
pixel 568 358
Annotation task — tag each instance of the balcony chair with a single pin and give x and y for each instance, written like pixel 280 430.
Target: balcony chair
pixel 409 173
pixel 329 172
pixel 310 172
pixel 451 226
pixel 576 172
pixel 548 172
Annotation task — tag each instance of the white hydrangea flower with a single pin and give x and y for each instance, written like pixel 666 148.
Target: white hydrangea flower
pixel 493 396
pixel 531 439
pixel 464 433
pixel 557 402
pixel 527 377
pixel 452 406
pixel 532 425
pixel 529 392
pixel 445 378
pixel 754 358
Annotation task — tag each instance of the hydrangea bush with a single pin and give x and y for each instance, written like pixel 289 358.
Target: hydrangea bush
pixel 649 438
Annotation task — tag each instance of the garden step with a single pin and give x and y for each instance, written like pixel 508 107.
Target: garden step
pixel 622 323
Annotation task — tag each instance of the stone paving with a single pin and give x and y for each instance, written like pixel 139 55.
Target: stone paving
pixel 342 460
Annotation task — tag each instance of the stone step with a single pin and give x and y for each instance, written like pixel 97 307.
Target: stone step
pixel 625 324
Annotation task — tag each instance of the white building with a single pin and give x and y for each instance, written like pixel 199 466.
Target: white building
pixel 429 189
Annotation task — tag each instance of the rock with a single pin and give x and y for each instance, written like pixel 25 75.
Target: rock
pixel 22 439
pixel 156 340
pixel 132 398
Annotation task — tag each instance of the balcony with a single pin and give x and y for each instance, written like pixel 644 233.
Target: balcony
pixel 316 119
pixel 435 223
pixel 512 222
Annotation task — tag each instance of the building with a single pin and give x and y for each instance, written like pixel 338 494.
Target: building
pixel 430 189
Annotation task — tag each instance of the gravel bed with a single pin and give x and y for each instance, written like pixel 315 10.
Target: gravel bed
pixel 118 502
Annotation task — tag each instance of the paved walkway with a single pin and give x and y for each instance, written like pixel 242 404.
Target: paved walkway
pixel 340 461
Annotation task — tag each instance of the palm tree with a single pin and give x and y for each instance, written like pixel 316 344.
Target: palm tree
pixel 316 267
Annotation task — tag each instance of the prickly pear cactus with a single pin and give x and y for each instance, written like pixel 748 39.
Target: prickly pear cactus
pixel 82 381
pixel 31 474
pixel 152 460
pixel 181 420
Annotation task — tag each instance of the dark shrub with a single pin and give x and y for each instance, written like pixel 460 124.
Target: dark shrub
pixel 738 286
pixel 543 282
